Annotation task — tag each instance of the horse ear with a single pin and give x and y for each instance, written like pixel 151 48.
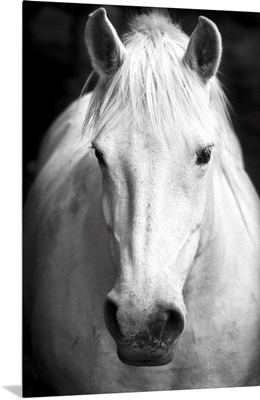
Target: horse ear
pixel 204 49
pixel 106 50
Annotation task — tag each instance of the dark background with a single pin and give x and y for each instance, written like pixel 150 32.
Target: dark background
pixel 56 66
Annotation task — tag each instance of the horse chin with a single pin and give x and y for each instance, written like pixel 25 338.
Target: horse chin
pixel 146 361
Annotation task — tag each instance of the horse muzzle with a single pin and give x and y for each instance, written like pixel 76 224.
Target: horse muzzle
pixel 149 343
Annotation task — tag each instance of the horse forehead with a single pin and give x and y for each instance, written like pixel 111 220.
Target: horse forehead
pixel 135 143
pixel 166 136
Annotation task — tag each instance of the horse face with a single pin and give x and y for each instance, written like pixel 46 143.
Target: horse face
pixel 156 201
pixel 156 205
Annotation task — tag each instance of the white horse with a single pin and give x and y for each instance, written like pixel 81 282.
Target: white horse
pixel 146 255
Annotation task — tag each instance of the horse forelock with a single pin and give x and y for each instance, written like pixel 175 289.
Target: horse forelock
pixel 158 21
pixel 153 92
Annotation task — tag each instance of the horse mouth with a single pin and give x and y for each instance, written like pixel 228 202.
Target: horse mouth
pixel 147 362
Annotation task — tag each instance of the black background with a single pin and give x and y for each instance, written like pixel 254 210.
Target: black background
pixel 56 66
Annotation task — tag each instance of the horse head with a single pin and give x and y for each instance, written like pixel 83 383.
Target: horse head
pixel 154 142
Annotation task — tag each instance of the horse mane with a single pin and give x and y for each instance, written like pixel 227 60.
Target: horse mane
pixel 153 91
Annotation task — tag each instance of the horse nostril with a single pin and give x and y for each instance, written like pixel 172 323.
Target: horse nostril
pixel 174 324
pixel 110 311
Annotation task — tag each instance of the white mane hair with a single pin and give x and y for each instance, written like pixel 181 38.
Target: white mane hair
pixel 153 92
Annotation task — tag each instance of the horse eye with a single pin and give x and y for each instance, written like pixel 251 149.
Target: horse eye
pixel 99 156
pixel 203 155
